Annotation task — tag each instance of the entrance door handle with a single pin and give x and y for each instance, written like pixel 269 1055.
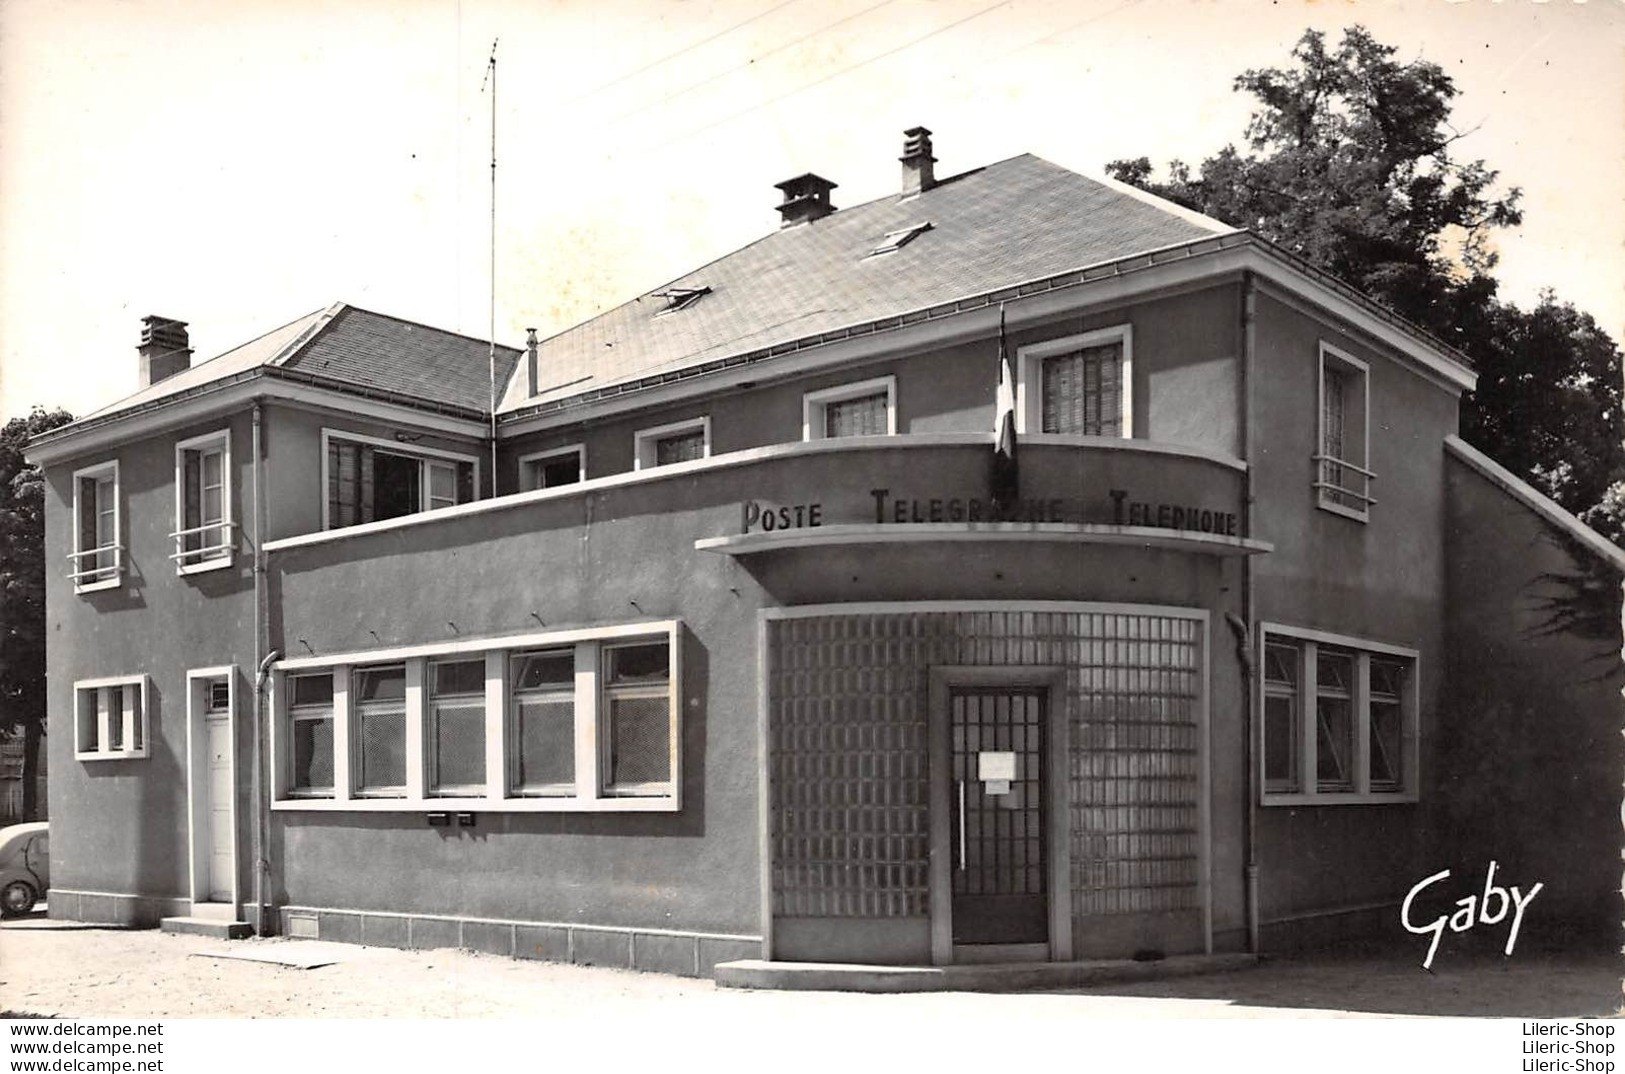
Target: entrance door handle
pixel 961 825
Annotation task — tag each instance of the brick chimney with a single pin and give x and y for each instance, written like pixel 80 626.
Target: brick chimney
pixel 806 198
pixel 165 349
pixel 918 175
pixel 531 372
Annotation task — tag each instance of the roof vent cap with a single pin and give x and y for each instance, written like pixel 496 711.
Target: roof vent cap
pixel 806 198
pixel 165 349
pixel 918 173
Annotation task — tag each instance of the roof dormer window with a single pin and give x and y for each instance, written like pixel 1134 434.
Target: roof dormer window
pixel 896 240
pixel 680 298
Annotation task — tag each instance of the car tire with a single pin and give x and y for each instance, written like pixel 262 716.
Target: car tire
pixel 17 898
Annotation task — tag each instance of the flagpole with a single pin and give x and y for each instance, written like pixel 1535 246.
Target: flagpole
pixel 491 328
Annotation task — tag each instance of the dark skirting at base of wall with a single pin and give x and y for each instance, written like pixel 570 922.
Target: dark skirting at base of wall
pixel 684 954
pixel 113 908
pixel 1329 928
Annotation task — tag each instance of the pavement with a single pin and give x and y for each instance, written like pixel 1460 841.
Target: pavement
pixel 66 969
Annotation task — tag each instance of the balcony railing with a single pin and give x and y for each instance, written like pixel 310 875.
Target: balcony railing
pixel 224 544
pixel 98 571
pixel 1343 485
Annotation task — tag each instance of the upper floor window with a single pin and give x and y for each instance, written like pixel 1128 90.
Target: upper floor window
pixel 204 533
pixel 1340 719
pixel 1079 385
pixel 97 559
pixel 1342 481
pixel 369 480
pixel 680 441
pixel 866 408
pixel 552 468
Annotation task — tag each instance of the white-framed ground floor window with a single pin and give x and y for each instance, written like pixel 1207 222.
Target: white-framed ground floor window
pixel 585 720
pixel 110 718
pixel 1339 719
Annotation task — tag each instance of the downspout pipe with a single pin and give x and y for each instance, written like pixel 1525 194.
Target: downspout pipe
pixel 1245 652
pixel 265 656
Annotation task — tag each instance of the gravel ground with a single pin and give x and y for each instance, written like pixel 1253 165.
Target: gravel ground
pixel 53 968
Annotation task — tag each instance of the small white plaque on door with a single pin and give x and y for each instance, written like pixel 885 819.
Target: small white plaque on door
pixel 995 765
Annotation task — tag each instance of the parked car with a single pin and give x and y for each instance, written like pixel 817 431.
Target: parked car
pixel 25 866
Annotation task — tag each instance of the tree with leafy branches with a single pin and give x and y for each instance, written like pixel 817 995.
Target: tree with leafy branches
pixel 22 592
pixel 1348 164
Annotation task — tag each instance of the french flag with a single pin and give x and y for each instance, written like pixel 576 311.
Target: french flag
pixel 1003 479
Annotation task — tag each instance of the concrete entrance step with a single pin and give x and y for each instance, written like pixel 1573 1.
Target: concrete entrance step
pixel 214 911
pixel 208 926
pixel 1002 977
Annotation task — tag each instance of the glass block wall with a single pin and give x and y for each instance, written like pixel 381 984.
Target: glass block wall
pixel 847 739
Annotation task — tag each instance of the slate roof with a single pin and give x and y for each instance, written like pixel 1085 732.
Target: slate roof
pixel 1018 220
pixel 371 350
pixel 249 356
pixel 347 349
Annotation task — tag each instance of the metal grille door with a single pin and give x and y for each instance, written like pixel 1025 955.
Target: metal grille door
pixel 1000 891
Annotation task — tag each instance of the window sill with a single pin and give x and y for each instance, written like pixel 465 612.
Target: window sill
pixel 112 755
pixel 662 790
pixel 808 438
pixel 204 566
pixel 93 587
pixel 478 805
pixel 1346 512
pixel 1341 798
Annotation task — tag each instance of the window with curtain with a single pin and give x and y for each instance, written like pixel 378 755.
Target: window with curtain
pixel 456 734
pixel 310 721
pixel 203 530
pixel 1342 480
pixel 98 554
pixel 543 716
pixel 379 697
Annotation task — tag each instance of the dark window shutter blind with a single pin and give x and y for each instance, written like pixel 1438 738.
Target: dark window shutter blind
pixel 87 520
pixel 1083 392
pixel 681 447
pixel 349 483
pixel 364 465
pixel 192 512
pixel 863 416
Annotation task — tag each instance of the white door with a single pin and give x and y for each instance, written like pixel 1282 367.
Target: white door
pixel 217 727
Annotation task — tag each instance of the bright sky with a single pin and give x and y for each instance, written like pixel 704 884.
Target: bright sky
pixel 238 165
